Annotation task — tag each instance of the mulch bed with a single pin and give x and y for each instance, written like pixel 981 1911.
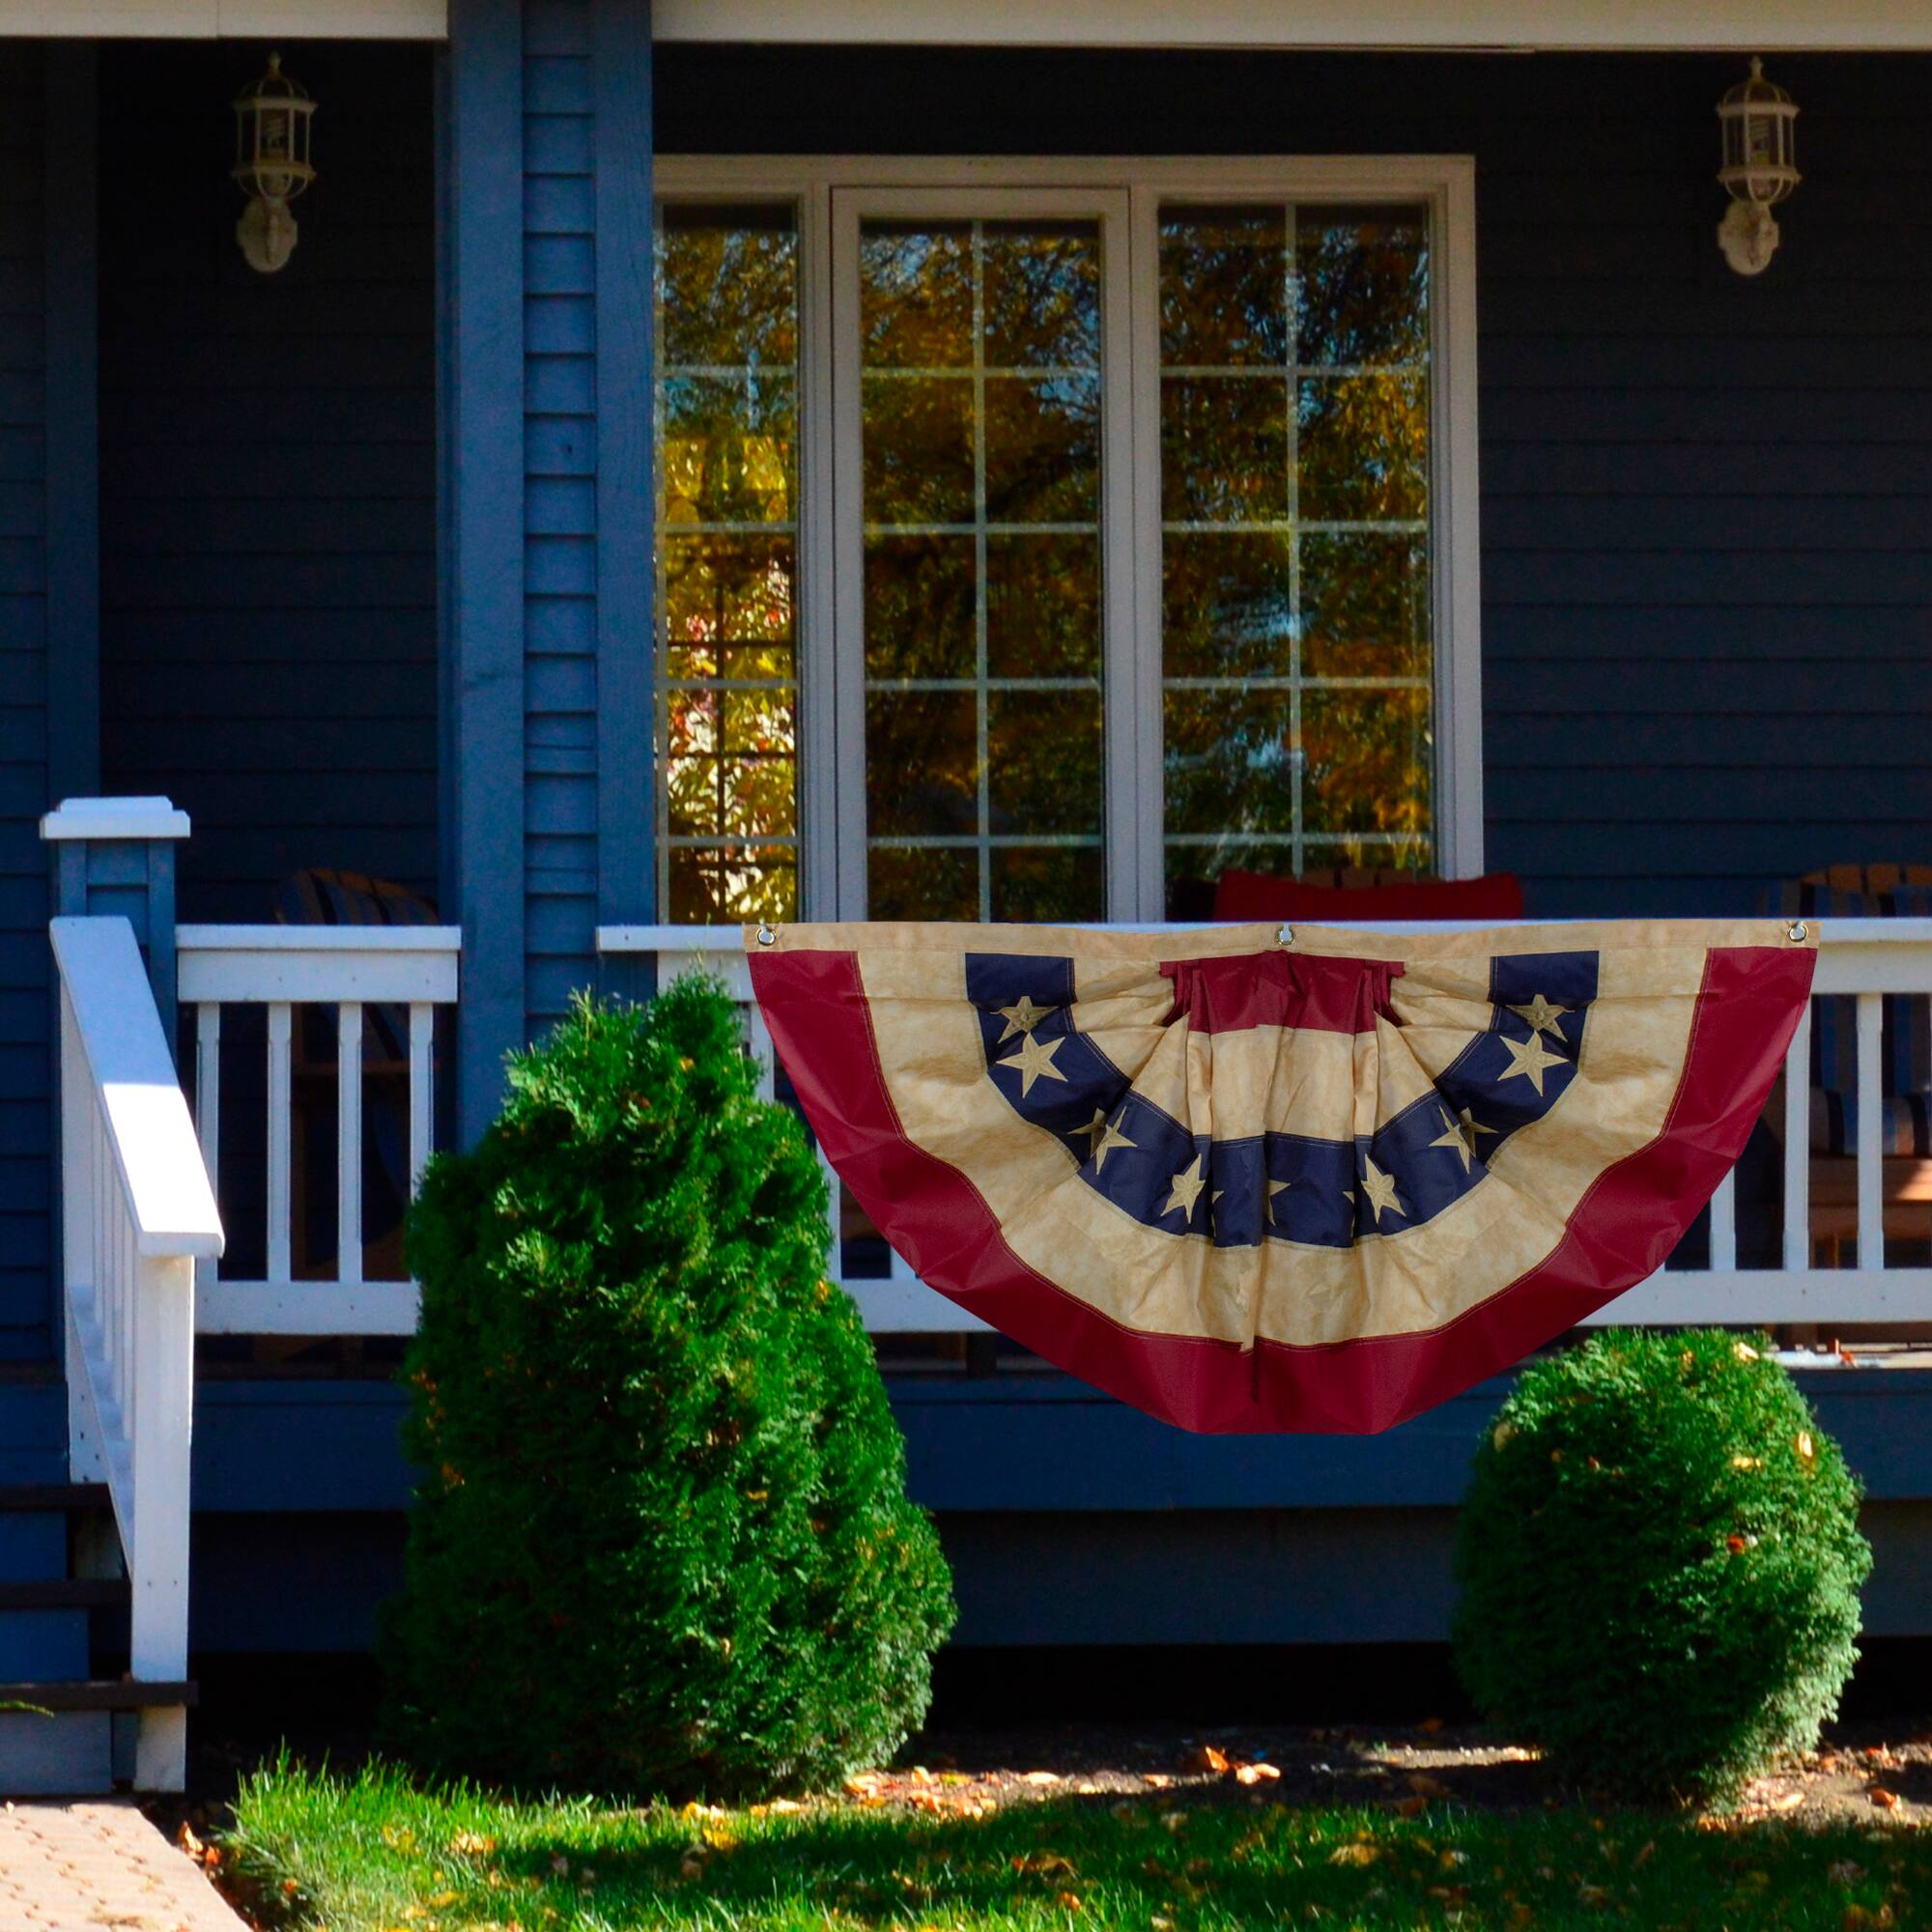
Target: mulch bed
pixel 1862 1772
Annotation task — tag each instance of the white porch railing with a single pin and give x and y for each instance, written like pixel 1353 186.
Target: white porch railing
pixel 348 969
pixel 1865 958
pixel 137 1218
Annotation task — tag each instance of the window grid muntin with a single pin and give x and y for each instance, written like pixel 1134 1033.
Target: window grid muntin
pixel 984 842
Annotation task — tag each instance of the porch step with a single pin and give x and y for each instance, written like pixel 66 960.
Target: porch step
pixel 36 1498
pixel 65 1593
pixel 103 1694
pixel 58 1754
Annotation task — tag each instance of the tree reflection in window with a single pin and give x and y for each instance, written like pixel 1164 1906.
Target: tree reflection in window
pixel 980 352
pixel 727 721
pixel 1297 638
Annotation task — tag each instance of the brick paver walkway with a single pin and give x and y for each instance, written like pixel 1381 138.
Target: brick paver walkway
pixel 98 1866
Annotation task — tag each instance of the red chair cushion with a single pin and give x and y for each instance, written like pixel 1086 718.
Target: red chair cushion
pixel 1254 895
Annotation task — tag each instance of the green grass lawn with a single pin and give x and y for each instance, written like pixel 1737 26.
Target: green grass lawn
pixel 375 1854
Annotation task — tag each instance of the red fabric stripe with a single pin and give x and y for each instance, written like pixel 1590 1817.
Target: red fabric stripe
pixel 1285 989
pixel 1626 1225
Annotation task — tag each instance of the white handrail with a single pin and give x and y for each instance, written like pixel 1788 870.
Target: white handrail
pixel 1863 960
pixel 137 1215
pixel 354 970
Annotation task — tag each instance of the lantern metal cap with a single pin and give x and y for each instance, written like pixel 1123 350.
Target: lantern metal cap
pixel 274 85
pixel 1755 91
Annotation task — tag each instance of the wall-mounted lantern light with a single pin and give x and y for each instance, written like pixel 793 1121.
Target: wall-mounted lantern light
pixel 1760 168
pixel 271 166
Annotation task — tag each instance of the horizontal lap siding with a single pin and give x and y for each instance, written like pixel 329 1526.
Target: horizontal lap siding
pixel 267 476
pixel 1707 500
pixel 25 989
pixel 560 506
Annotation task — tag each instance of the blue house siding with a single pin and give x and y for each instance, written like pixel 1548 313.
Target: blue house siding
pixel 26 994
pixel 1706 554
pixel 267 501
pixel 1067 1518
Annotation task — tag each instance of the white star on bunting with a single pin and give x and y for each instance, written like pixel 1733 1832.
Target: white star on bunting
pixel 1186 1191
pixel 1532 1059
pixel 1022 1016
pixel 1380 1187
pixel 1541 1017
pixel 1035 1061
pixel 1102 1138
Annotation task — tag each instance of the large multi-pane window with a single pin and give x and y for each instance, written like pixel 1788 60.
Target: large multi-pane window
pixel 1043 555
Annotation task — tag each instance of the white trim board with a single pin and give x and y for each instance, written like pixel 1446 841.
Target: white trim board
pixel 219 19
pixel 1741 26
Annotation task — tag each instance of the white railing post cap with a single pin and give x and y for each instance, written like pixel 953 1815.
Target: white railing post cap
pixel 115 818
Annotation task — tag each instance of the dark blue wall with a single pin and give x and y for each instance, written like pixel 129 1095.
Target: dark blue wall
pixel 1069 1519
pixel 1707 540
pixel 268 477
pixel 24 992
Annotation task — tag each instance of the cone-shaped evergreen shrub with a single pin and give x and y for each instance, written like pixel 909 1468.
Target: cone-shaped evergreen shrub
pixel 1660 1561
pixel 662 1542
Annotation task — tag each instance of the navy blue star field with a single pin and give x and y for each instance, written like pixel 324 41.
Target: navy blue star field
pixel 1292 1187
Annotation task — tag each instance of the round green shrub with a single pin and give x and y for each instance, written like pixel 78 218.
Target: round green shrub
pixel 1660 1564
pixel 660 1541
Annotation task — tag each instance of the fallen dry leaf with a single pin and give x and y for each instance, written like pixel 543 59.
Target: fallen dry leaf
pixel 1212 1759
pixel 1253 1774
pixel 1158 1780
pixel 1355 1854
pixel 1039 1777
pixel 1887 1801
pixel 1045 1865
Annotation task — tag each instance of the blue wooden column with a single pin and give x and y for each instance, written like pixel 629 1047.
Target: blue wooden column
pixel 546 489
pixel 626 489
pixel 481 432
pixel 117 855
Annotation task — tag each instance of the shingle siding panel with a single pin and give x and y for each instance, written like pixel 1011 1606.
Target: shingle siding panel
pixel 25 990
pixel 1707 563
pixel 560 503
pixel 267 481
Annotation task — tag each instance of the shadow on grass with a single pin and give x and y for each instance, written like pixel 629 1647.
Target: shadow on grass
pixel 1120 1861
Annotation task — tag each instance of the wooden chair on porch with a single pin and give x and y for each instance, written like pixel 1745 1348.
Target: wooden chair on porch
pixel 1905 1058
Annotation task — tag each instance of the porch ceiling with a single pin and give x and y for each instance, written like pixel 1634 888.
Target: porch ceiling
pixel 1760 26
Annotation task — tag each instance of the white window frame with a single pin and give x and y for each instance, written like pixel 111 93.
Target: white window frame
pixel 829 195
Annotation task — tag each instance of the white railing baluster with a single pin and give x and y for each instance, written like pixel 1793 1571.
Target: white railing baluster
pixel 281 1120
pixel 138 1222
pixel 162 1297
pixel 385 1105
pixel 349 1141
pixel 1724 1224
pixel 1870 1144
pixel 1797 1146
pixel 208 1108
pixel 422 1088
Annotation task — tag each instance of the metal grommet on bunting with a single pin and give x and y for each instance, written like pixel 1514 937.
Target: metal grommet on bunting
pixel 766 936
pixel 1798 932
pixel 1287 935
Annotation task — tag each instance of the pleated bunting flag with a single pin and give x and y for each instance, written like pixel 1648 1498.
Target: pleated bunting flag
pixel 1255 1178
